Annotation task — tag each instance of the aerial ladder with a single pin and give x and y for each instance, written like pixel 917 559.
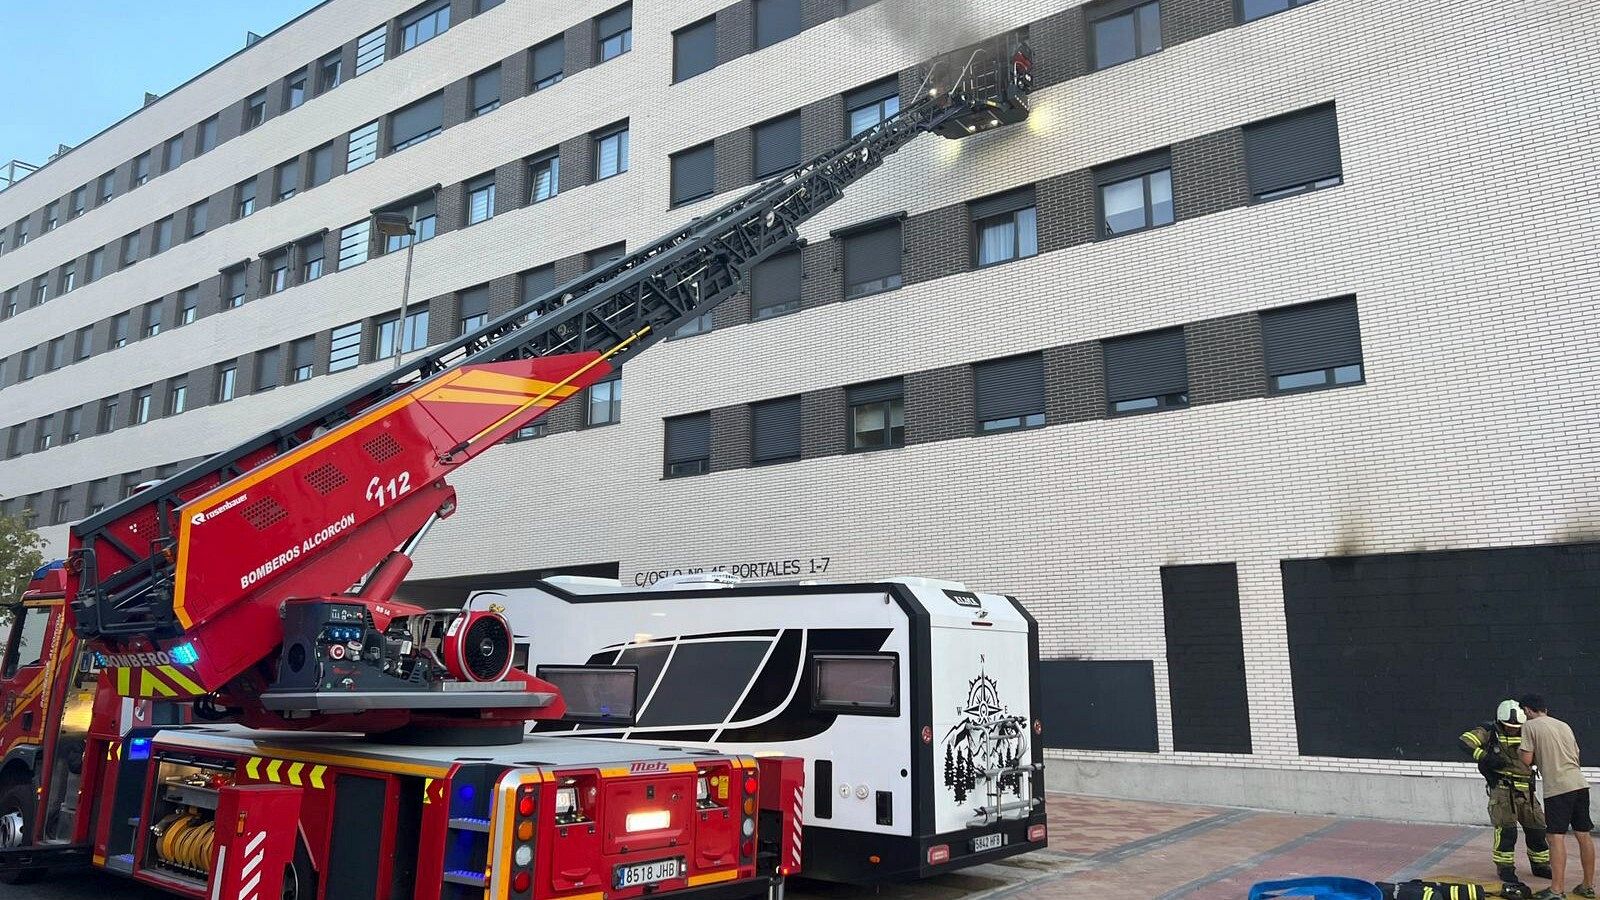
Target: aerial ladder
pixel 258 587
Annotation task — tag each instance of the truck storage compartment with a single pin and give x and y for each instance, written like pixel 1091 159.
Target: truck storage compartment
pixel 183 807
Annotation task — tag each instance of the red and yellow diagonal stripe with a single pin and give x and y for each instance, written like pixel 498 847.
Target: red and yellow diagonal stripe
pixel 482 386
pixel 151 682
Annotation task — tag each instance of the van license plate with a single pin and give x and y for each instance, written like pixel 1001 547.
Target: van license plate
pixel 988 842
pixel 647 873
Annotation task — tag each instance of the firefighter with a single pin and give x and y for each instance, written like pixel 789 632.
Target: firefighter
pixel 1496 747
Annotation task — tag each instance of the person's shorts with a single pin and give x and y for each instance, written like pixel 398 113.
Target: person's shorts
pixel 1569 809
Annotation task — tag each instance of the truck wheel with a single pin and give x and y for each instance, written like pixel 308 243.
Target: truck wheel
pixel 16 823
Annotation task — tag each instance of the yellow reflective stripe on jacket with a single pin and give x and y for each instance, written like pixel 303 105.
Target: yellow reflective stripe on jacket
pixel 1473 737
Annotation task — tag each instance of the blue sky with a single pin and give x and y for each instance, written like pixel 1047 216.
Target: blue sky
pixel 69 68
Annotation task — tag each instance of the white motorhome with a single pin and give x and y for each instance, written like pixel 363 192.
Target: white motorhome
pixel 912 701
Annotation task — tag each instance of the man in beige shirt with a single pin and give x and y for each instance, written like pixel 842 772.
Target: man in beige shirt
pixel 1548 744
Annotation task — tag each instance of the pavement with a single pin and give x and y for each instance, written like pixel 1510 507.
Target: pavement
pixel 1122 848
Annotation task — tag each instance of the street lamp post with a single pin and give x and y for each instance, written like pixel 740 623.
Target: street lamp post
pixel 393 224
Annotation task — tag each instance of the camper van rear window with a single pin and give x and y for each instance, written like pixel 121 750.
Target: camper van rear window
pixel 863 684
pixel 598 695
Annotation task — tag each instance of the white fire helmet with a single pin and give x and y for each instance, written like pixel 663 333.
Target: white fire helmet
pixel 1510 712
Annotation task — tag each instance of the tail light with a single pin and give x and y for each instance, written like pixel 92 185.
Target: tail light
pixel 747 823
pixel 1036 833
pixel 938 853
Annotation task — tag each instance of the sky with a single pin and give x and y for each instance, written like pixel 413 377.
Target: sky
pixel 70 68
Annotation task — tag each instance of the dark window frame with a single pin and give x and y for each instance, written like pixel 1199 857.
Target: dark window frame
pixel 1244 18
pixel 1144 169
pixel 889 402
pixel 693 31
pixel 1152 403
pixel 1132 12
pixel 818 704
pixel 544 169
pixel 621 133
pixel 706 150
pixel 410 25
pixel 623 36
pixel 684 464
pixel 1348 374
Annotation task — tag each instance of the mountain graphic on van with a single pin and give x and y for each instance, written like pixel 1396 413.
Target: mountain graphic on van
pixel 986 739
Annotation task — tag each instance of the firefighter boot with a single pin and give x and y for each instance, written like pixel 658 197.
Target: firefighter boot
pixel 1542 870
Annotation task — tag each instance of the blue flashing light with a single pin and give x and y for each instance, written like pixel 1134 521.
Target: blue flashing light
pixel 139 748
pixel 465 793
pixel 184 654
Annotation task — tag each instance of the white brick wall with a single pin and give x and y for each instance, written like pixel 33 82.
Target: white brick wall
pixel 1466 227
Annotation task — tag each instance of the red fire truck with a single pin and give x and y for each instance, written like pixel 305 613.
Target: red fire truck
pixel 218 694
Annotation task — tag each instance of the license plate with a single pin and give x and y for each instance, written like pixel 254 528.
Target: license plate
pixel 988 842
pixel 647 873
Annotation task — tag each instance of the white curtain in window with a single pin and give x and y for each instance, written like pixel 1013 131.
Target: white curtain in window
pixel 1027 232
pixel 1124 205
pixel 1161 197
pixel 997 242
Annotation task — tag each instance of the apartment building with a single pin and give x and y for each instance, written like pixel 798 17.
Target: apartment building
pixel 1258 362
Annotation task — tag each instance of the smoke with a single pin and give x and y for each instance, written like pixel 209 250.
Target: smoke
pixel 929 26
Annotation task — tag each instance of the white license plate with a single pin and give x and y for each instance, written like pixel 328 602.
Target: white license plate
pixel 988 842
pixel 647 873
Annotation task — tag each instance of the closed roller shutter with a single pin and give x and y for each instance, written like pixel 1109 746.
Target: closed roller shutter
pixel 777 145
pixel 1314 336
pixel 1298 149
pixel 888 389
pixel 1000 204
pixel 1146 365
pixel 870 256
pixel 693 173
pixel 688 438
pixel 775 430
pixel 775 284
pixel 694 49
pixel 1009 388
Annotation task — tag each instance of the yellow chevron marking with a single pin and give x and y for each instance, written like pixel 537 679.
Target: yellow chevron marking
pixel 499 381
pixel 316 777
pixel 274 766
pixel 123 678
pixel 182 681
pixel 252 768
pixel 294 773
pixel 151 685
pixel 453 395
pixel 427 791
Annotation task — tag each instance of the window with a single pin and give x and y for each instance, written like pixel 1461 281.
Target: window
pixel 45 434
pixel 152 318
pixel 363 147
pixel 775 286
pixel 694 49
pixel 776 20
pixel 80 200
pixel 14 441
pixel 97 266
pixel 474 309
pixel 188 305
pixel 613 32
pixel 163 241
pixel 85 342
pixel 300 359
pixel 69 278
pixel 693 174
pixel 1147 372
pixel 605 403
pixel 777 145
pixel 74 426
pixel 1135 194
pixel 51 217
pixel 108 416
pixel 403 336
pixel 245 199
pixel 233 283
pixel 177 397
pixel 1255 9
pixel 344 350
pixel 268 369
pixel 370 49
pixel 1293 154
pixel 288 179
pixel 353 240
pixel 108 188
pixel 698 325
pixel 130 249
pixel 538 282
pixel 26 368
pixel 544 176
pixel 294 91
pixel 872 260
pixel 227 381
pixel 1126 31
pixel 255 111
pixel 173 153
pixel 141 405
pixel 198 216
pixel 422 212
pixel 311 254
pixel 28 636
pixel 119 330
pixel 9 308
pixel 1004 227
pixel 866 107
pixel 141 169
pixel 417 122
pixel 58 353
pixel 22 232
pixel 41 290
pixel 207 137
pixel 549 59
pixel 321 165
pixel 538 428
pixel 688 445
pixel 480 199
pixel 877 415
pixel 277 271
pixel 486 91
pixel 97 496
pixel 775 431
pixel 602 255
pixel 59 513
pixel 1009 393
pixel 1314 345
pixel 424 24
pixel 611 152
pixel 330 71
pixel 857 684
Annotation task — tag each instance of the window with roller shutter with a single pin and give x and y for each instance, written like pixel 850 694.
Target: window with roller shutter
pixel 1147 372
pixel 1004 227
pixel 775 286
pixel 1313 345
pixel 694 49
pixel 538 282
pixel 486 91
pixel 775 431
pixel 877 415
pixel 1009 393
pixel 777 145
pixel 474 308
pixel 693 174
pixel 417 122
pixel 613 33
pixel 688 445
pixel 549 60
pixel 776 20
pixel 872 260
pixel 1293 154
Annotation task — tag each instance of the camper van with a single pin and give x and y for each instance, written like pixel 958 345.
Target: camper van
pixel 912 701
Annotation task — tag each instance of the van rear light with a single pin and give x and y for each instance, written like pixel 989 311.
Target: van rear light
pixel 1036 833
pixel 521 881
pixel 938 853
pixel 649 820
pixel 750 784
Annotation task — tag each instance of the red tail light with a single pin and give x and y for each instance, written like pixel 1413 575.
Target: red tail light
pixel 750 784
pixel 521 881
pixel 1036 833
pixel 938 853
pixel 525 804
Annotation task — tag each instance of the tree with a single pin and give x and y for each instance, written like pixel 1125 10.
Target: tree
pixel 20 554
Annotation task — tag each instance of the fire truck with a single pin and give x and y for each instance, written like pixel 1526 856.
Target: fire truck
pixel 217 693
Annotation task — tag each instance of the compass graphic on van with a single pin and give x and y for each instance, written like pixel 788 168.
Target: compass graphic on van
pixel 986 739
